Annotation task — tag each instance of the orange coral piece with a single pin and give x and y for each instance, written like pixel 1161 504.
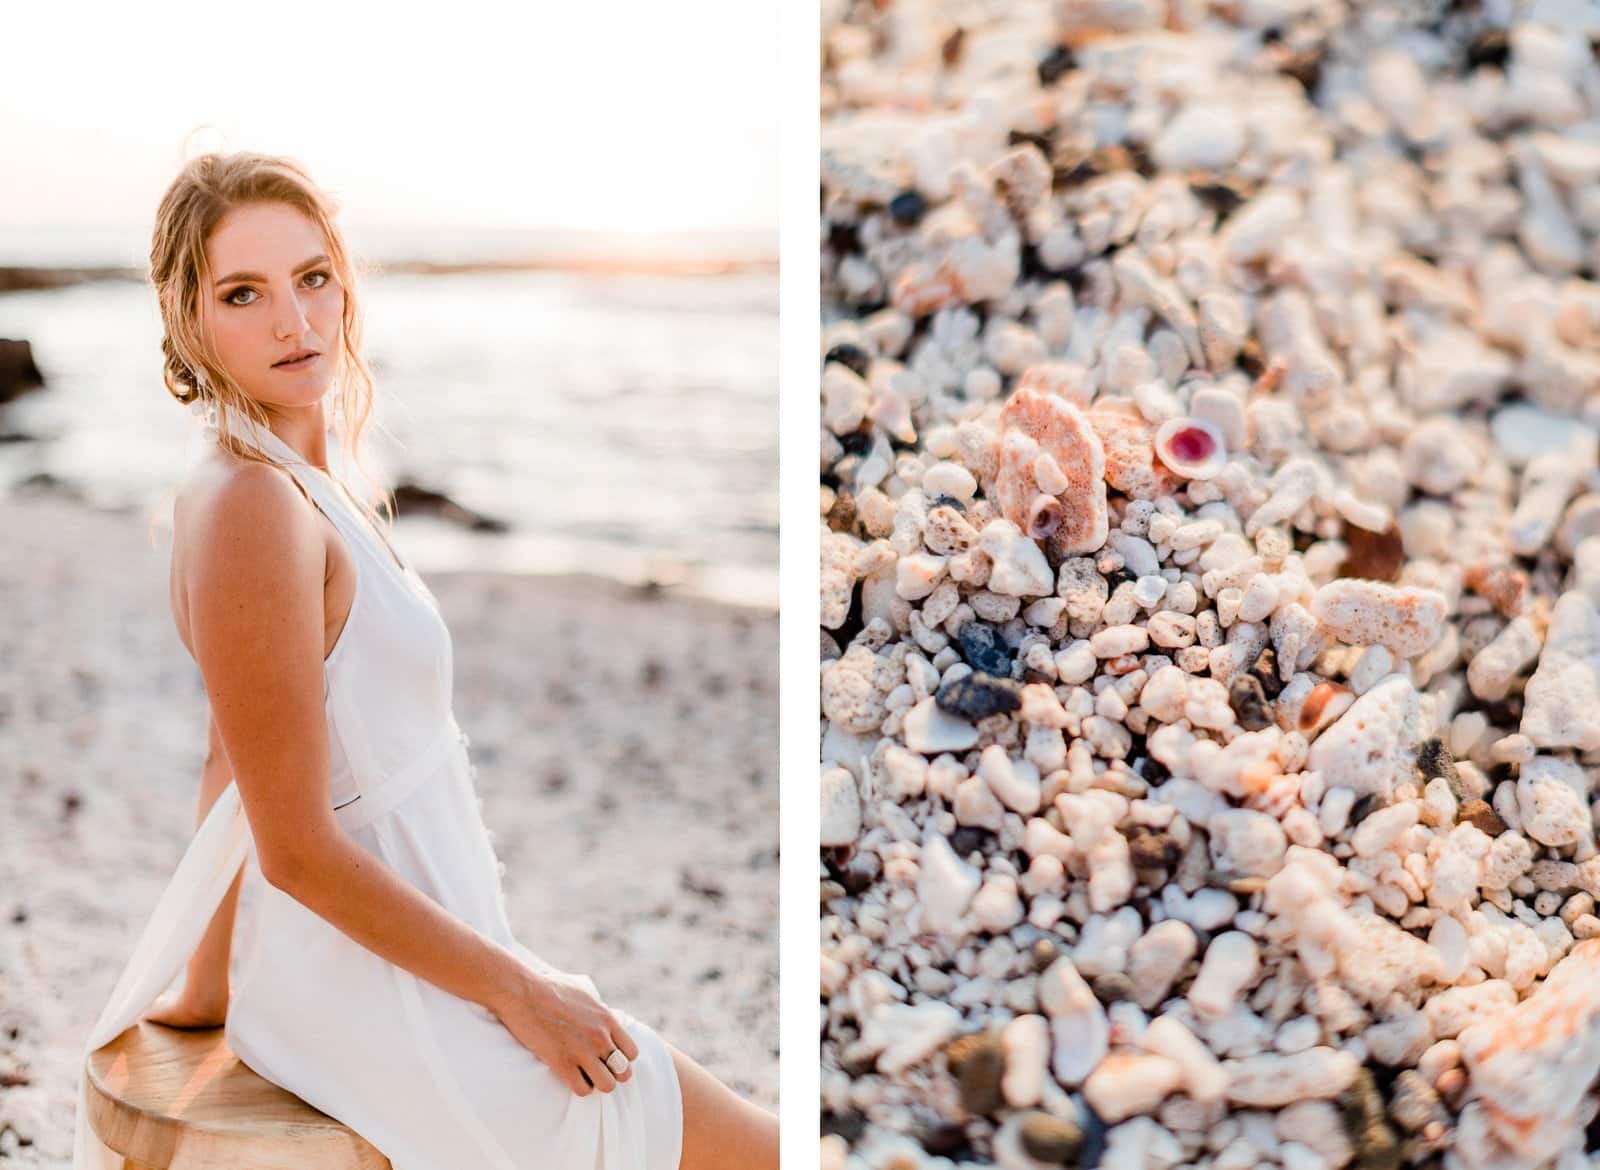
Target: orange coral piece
pixel 1033 423
pixel 1131 464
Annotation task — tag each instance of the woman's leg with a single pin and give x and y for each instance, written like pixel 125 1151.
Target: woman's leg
pixel 721 1130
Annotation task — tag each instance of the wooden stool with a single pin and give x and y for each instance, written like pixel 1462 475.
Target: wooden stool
pixel 167 1099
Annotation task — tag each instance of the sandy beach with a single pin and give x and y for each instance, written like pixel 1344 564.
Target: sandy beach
pixel 605 724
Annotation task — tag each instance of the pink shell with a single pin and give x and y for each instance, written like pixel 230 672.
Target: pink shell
pixel 1191 447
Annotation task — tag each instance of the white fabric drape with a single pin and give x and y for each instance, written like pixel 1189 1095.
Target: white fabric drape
pixel 175 928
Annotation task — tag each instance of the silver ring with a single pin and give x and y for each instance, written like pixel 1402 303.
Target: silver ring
pixel 611 1062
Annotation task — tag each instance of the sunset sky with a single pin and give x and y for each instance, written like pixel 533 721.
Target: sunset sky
pixel 633 117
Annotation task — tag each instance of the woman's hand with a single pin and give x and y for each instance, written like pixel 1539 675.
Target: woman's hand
pixel 180 1009
pixel 557 1018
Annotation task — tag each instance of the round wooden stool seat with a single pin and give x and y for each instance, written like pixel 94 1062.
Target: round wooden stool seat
pixel 169 1099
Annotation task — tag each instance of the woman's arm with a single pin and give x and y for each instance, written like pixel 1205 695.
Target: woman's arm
pixel 256 620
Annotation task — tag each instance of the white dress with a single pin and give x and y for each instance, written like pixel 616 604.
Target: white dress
pixel 434 1081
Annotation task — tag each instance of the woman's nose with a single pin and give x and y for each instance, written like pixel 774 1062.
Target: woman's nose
pixel 291 319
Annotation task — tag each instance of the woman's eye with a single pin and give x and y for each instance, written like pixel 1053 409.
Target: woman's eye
pixel 229 299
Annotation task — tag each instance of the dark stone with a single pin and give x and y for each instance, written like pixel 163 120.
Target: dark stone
pixel 1265 668
pixel 1152 770
pixel 1094 1136
pixel 950 50
pixel 971 839
pixel 849 1125
pixel 1249 702
pixel 1377 556
pixel 943 1139
pixel 1152 849
pixel 978 696
pixel 984 649
pixel 857 442
pixel 1481 813
pixel 947 502
pixel 907 210
pixel 1056 64
pixel 1490 47
pixel 18 373
pixel 1363 808
pixel 851 355
pixel 1043 953
pixel 1506 712
pixel 860 872
pixel 1376 1143
pixel 1052 1140
pixel 842 516
pixel 978 1062
pixel 1434 759
pixel 843 239
pixel 1305 66
pixel 1041 142
pixel 1112 987
pixel 1222 196
pixel 1118 576
pixel 1251 360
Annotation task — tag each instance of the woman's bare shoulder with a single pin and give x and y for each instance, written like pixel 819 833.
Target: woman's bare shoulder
pixel 221 491
pixel 232 520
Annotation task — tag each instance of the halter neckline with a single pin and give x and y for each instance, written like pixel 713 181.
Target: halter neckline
pixel 278 450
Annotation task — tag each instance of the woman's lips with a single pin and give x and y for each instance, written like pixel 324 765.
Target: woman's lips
pixel 303 363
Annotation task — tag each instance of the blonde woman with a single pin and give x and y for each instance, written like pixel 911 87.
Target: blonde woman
pixel 385 987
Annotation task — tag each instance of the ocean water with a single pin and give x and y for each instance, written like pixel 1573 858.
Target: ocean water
pixel 621 425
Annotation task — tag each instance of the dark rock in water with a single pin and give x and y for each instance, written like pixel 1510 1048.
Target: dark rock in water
pixel 978 1062
pixel 1434 759
pixel 18 374
pixel 1249 702
pixel 984 649
pixel 42 482
pixel 1053 1140
pixel 413 497
pixel 1481 813
pixel 851 356
pixel 978 696
pixel 907 210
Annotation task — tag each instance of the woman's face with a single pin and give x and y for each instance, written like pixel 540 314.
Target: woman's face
pixel 274 294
